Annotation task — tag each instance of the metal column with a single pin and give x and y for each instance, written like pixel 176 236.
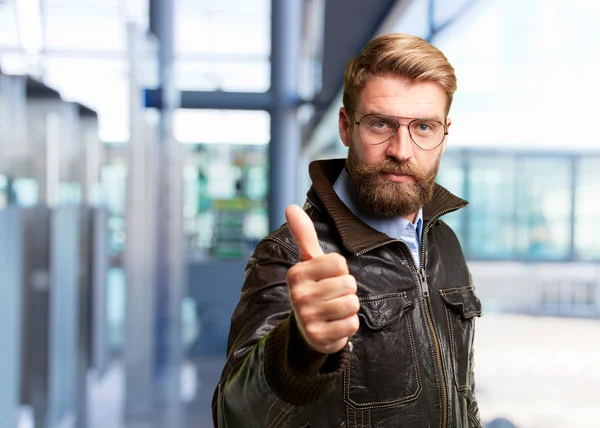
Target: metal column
pixel 11 267
pixel 139 252
pixel 284 149
pixel 170 261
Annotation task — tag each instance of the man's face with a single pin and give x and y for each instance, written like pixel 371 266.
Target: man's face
pixel 394 178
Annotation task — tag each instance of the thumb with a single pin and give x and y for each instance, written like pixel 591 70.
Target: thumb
pixel 304 233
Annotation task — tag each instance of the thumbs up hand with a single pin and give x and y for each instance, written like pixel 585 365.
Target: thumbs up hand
pixel 322 292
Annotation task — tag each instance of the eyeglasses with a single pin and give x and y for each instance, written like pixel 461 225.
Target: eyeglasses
pixel 427 134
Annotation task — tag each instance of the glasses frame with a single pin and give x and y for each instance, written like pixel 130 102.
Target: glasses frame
pixel 395 118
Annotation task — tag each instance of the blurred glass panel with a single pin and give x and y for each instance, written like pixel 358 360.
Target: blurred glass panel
pixel 235 74
pixel 9 30
pixel 587 209
pixel 544 208
pixel 222 126
pixel 225 191
pixel 491 213
pixel 452 176
pixel 26 191
pixel 223 27
pixel 107 94
pixel 89 25
pixel 223 45
pixel 503 48
pixel 4 197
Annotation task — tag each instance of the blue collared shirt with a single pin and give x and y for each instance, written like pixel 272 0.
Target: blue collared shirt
pixel 395 228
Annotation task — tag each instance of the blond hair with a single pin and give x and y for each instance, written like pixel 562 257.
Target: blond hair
pixel 401 55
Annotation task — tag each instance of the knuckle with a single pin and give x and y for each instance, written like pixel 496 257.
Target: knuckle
pixel 294 275
pixel 313 333
pixel 350 283
pixel 340 262
pixel 304 314
pixel 354 324
pixel 354 303
pixel 337 261
pixel 297 294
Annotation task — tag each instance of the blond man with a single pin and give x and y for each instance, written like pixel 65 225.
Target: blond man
pixel 359 311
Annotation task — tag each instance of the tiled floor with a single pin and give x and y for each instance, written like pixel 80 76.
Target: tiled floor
pixel 536 372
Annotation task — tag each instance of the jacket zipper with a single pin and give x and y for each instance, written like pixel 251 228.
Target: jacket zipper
pixel 422 276
pixel 436 342
pixel 425 287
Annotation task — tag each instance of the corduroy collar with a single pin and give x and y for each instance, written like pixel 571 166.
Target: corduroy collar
pixel 356 235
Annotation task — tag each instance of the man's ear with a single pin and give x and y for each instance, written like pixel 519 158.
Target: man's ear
pixel 445 143
pixel 345 126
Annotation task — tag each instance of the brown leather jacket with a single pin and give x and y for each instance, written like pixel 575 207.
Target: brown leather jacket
pixel 409 366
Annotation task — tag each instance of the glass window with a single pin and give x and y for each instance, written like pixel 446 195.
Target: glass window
pixel 223 45
pixel 9 31
pixel 452 177
pixel 544 211
pixel 91 27
pixel 491 229
pixel 222 126
pixel 587 209
pixel 232 74
pixel 237 32
pixel 225 207
pixel 108 95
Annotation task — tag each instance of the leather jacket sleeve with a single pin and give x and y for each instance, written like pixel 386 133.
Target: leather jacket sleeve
pixel 261 385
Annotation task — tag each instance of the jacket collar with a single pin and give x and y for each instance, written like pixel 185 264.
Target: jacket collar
pixel 355 234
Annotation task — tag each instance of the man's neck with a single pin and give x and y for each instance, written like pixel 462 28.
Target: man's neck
pixel 411 217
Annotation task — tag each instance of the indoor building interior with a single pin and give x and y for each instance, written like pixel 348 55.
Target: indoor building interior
pixel 147 146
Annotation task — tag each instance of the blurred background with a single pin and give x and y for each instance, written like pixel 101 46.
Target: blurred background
pixel 146 146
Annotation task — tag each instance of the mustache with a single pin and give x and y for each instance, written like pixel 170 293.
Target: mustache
pixel 393 166
pixel 390 166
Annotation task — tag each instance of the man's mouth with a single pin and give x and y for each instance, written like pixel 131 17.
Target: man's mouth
pixel 399 178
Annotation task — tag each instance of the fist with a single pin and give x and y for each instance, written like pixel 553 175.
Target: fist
pixel 322 292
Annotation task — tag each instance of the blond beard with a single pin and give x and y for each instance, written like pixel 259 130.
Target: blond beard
pixel 386 198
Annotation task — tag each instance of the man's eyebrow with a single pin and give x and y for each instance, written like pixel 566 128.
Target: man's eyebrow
pixel 434 117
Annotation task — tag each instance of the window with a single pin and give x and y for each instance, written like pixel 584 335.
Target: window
pixel 587 209
pixel 223 45
pixel 225 207
pixel 491 183
pixel 544 211
pixel 222 126
pixel 452 177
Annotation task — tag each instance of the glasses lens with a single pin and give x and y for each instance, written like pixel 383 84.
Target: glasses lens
pixel 427 134
pixel 375 129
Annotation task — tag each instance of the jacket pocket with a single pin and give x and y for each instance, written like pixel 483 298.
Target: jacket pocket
pixel 462 306
pixel 383 369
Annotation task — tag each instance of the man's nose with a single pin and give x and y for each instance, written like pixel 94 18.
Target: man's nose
pixel 400 145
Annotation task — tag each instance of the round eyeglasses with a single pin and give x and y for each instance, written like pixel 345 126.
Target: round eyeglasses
pixel 375 129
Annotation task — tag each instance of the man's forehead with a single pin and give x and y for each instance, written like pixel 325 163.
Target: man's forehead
pixel 399 109
pixel 398 97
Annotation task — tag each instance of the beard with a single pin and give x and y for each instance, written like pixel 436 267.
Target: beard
pixel 385 198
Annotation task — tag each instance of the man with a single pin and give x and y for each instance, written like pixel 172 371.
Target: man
pixel 359 311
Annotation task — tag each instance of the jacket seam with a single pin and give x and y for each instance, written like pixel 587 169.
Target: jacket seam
pixel 395 402
pixel 446 291
pixel 287 409
pixel 474 419
pixel 284 244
